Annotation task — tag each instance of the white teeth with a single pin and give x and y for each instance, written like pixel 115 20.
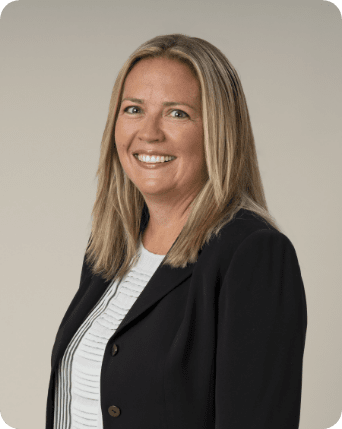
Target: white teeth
pixel 153 159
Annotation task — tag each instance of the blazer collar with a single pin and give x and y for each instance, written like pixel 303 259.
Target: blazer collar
pixel 163 281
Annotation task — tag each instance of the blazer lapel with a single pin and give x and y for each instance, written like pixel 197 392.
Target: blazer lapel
pixel 86 299
pixel 161 283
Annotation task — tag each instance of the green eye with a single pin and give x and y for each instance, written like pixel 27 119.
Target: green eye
pixel 131 107
pixel 186 115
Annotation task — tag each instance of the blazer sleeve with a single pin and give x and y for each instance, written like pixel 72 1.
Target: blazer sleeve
pixel 262 321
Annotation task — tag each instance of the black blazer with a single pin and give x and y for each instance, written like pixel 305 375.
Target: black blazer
pixel 216 345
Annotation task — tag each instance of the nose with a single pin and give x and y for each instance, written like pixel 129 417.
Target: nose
pixel 150 129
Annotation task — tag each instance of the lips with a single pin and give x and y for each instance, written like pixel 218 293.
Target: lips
pixel 151 154
pixel 168 157
pixel 153 165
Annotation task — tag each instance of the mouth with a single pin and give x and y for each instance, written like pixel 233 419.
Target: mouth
pixel 170 158
pixel 153 165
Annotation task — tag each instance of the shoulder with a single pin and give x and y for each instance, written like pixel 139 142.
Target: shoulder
pixel 251 258
pixel 248 235
pixel 252 231
pixel 244 224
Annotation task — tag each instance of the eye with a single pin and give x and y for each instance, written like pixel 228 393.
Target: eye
pixel 181 111
pixel 185 115
pixel 130 107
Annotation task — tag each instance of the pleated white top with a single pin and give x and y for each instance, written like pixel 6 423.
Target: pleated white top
pixel 77 388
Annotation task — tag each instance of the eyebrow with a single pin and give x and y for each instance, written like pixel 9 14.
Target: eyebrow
pixel 166 103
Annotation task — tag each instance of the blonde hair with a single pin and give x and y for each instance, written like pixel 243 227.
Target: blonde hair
pixel 120 213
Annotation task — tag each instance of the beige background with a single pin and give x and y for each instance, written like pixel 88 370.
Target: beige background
pixel 58 64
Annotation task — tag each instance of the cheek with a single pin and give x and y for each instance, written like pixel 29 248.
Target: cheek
pixel 195 145
pixel 121 129
pixel 118 130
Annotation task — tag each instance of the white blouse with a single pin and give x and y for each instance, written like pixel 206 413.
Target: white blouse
pixel 77 388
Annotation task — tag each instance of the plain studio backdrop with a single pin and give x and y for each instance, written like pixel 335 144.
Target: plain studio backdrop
pixel 59 61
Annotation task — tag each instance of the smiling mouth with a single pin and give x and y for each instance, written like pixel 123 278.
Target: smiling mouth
pixel 153 162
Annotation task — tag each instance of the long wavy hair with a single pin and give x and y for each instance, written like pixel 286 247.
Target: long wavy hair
pixel 120 213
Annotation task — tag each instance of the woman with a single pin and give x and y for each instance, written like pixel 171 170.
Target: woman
pixel 191 310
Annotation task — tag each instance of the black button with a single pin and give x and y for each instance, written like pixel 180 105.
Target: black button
pixel 114 349
pixel 114 411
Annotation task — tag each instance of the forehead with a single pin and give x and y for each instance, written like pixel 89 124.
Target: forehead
pixel 161 77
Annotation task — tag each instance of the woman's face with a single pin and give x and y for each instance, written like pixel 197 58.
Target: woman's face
pixel 165 117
